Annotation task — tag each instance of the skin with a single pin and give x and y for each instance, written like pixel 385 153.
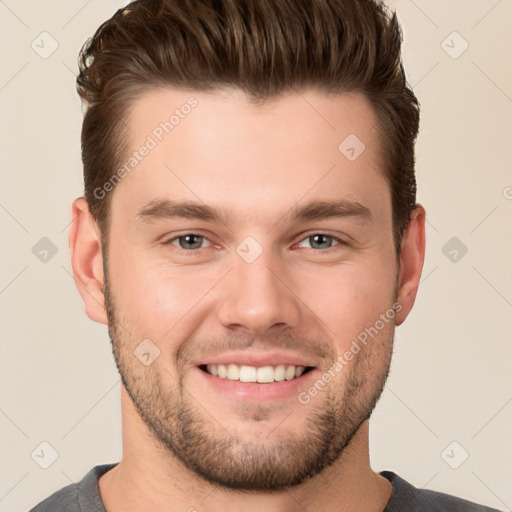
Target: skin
pixel 255 163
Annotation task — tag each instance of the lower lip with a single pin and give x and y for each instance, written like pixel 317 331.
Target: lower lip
pixel 258 392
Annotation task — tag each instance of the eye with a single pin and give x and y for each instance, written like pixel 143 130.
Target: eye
pixel 321 241
pixel 188 241
pixel 192 241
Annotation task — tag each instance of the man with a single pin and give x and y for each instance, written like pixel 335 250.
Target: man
pixel 251 236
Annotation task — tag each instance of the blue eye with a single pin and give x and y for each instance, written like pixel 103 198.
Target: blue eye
pixel 192 242
pixel 321 241
pixel 189 241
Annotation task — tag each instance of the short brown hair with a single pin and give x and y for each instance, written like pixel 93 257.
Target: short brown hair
pixel 263 47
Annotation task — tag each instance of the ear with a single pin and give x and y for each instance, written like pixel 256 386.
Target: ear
pixel 412 256
pixel 87 260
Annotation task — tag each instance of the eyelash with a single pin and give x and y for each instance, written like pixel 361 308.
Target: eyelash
pixel 338 241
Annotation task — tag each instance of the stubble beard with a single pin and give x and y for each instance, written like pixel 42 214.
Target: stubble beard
pixel 207 448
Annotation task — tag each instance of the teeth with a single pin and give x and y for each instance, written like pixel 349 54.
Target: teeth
pixel 265 374
pixel 279 372
pixel 252 374
pixel 222 371
pixel 248 374
pixel 290 373
pixel 233 372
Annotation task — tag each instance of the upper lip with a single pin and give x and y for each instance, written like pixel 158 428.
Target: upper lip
pixel 259 359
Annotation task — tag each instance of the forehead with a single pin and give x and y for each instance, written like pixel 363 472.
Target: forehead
pixel 200 117
pixel 220 148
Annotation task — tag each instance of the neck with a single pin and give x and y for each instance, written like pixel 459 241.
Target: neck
pixel 150 478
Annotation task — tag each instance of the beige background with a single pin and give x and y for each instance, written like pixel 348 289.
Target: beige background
pixel 450 378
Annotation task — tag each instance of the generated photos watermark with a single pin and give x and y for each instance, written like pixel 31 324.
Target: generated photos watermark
pixel 156 136
pixel 304 397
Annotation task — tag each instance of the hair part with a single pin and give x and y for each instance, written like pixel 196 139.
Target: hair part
pixel 265 48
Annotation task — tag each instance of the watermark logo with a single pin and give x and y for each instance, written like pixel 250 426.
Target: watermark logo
pixel 249 249
pixel 352 147
pixel 45 45
pixel 454 250
pixel 304 397
pixel 44 250
pixel 146 352
pixel 44 455
pixel 454 45
pixel 455 455
pixel 152 140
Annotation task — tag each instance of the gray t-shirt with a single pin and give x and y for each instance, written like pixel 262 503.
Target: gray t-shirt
pixel 84 496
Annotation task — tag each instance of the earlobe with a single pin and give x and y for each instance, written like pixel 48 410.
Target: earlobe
pixel 412 257
pixel 87 260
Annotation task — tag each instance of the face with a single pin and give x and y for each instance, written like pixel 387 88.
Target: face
pixel 246 242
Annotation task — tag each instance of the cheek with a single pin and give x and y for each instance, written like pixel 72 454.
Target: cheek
pixel 348 299
pixel 156 300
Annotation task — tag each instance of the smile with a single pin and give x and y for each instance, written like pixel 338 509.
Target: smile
pixel 262 375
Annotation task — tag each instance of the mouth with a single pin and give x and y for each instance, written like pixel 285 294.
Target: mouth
pixel 254 374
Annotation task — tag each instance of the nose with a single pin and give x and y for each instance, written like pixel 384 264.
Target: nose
pixel 257 297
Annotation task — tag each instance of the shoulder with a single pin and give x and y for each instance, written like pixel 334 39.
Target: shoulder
pixel 407 497
pixel 79 497
pixel 60 501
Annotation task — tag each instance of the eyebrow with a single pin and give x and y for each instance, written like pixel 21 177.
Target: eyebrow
pixel 314 210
